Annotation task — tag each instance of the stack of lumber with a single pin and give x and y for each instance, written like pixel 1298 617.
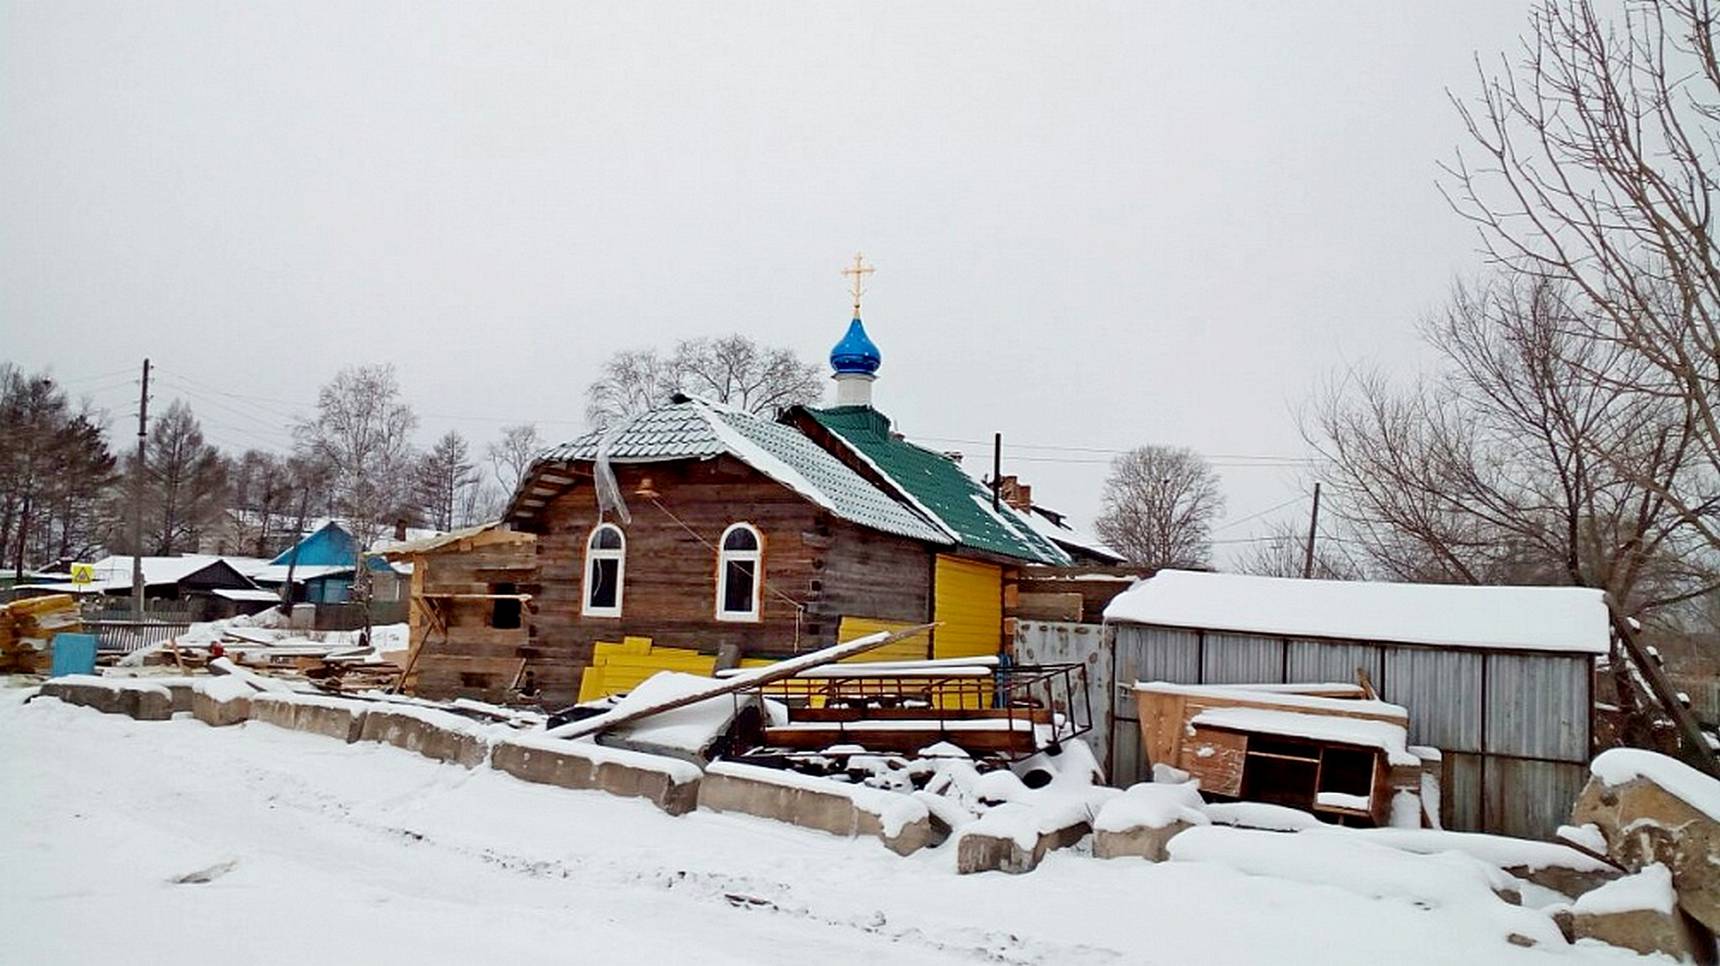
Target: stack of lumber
pixel 620 667
pixel 28 626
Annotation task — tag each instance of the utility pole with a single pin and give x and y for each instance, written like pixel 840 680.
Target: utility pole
pixel 996 469
pixel 1313 529
pixel 137 500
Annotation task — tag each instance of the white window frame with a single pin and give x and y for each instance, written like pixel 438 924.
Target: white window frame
pixel 724 556
pixel 592 555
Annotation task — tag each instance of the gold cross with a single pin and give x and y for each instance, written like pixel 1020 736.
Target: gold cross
pixel 857 273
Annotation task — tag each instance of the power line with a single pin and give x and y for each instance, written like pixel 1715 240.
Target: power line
pixel 1115 452
pixel 1255 516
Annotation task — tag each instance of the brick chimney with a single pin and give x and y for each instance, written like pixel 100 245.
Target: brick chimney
pixel 1015 493
pixel 400 529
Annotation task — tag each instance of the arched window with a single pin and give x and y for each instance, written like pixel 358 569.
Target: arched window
pixel 605 568
pixel 740 573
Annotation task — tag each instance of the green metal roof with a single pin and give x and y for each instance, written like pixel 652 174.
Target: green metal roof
pixel 938 486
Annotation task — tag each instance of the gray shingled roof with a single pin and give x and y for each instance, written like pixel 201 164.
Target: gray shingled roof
pixel 675 432
pixel 693 429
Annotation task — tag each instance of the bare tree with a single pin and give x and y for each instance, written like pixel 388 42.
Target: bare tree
pixel 1597 169
pixel 512 455
pixel 446 477
pixel 733 370
pixel 633 381
pixel 362 433
pixel 1493 475
pixel 1282 550
pixel 184 482
pixel 1159 506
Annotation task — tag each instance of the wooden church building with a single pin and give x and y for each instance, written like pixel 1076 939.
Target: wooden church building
pixel 710 529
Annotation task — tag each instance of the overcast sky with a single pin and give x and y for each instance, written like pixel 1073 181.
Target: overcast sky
pixel 1094 226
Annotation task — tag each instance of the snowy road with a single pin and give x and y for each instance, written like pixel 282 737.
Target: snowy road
pixel 315 851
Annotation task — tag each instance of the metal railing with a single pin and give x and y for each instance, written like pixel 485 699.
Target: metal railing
pixel 1051 702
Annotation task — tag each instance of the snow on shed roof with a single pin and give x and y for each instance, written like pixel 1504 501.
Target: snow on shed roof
pixel 1455 615
pixel 698 429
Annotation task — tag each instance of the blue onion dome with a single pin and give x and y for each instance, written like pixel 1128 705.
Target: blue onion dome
pixel 855 353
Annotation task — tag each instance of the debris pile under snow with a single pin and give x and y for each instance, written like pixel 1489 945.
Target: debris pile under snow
pixel 1151 805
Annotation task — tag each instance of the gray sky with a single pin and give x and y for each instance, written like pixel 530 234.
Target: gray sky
pixel 1094 226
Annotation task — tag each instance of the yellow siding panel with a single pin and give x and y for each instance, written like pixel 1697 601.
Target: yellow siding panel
pixel 622 667
pixel 968 600
pixel 908 649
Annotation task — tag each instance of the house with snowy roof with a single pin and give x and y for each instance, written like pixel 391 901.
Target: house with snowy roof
pixel 736 535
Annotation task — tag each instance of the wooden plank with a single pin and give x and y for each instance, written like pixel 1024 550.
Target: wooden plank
pixel 904 740
pixel 1049 607
pixel 1216 758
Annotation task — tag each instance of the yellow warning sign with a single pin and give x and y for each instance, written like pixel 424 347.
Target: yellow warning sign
pixel 83 575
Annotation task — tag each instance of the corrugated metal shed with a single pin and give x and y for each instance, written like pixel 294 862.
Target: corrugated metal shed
pixel 1513 726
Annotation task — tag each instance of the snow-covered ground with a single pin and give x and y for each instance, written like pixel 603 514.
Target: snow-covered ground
pixel 316 851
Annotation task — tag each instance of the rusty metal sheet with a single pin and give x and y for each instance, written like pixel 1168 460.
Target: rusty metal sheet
pixel 1045 642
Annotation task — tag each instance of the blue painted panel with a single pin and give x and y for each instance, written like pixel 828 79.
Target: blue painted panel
pixel 331 545
pixel 74 654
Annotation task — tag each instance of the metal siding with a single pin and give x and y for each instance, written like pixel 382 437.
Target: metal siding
pixel 1313 662
pixel 1128 766
pixel 1460 793
pixel 1242 659
pixel 1153 654
pixel 1537 706
pixel 1530 799
pixel 1441 689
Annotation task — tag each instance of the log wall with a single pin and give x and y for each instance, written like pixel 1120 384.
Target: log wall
pixel 469 657
pixel 828 566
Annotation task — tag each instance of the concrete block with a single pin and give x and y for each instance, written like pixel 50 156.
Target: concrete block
pixel 310 713
pixel 670 784
pixel 454 741
pixel 221 707
pixel 1142 841
pixel 981 851
pixel 817 804
pixel 137 699
pixel 180 694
